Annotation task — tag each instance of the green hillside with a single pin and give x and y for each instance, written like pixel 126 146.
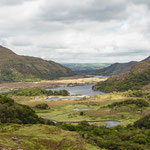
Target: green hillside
pixel 14 68
pixel 137 78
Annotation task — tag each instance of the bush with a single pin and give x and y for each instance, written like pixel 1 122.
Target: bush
pixel 42 106
pixel 144 122
pixel 81 113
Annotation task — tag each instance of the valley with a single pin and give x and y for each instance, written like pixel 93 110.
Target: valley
pixel 93 111
pixel 77 110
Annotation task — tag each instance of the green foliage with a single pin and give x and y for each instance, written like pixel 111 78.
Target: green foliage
pixel 117 138
pixel 11 112
pixel 135 93
pixel 38 92
pixel 140 138
pixel 138 103
pixel 6 100
pixel 143 122
pixel 42 106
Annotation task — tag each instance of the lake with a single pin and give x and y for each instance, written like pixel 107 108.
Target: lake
pixel 80 89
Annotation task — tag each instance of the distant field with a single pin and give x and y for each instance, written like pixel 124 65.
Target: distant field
pixel 74 80
pixel 85 66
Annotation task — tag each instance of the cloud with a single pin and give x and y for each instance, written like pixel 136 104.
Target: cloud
pixel 13 2
pixel 70 11
pixel 75 30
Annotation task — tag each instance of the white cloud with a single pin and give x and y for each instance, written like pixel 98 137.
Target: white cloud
pixel 77 31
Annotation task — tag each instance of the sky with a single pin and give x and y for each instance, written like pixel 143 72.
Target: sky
pixel 77 31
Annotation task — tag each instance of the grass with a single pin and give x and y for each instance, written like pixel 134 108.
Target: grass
pixel 41 137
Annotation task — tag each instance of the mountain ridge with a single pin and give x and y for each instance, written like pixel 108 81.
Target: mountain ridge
pixel 116 68
pixel 17 68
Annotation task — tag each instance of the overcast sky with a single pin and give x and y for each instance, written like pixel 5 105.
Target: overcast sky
pixel 77 30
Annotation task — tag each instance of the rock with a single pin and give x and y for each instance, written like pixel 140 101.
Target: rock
pixel 15 139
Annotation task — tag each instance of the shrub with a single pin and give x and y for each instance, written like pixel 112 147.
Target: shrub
pixel 81 113
pixel 42 106
pixel 143 122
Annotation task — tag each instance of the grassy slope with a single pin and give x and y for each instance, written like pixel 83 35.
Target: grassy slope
pixel 23 68
pixel 41 137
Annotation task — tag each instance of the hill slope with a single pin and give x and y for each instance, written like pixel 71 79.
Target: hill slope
pixel 137 78
pixel 116 68
pixel 14 67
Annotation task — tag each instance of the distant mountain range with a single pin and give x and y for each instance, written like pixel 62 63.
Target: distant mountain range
pixel 85 67
pixel 115 68
pixel 138 77
pixel 15 68
pixel 104 69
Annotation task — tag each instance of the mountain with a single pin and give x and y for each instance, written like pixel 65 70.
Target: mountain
pixel 116 68
pixel 138 77
pixel 77 67
pixel 14 67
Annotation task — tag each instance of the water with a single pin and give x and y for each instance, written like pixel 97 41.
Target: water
pixel 110 124
pixel 64 98
pixel 4 91
pixel 80 109
pixel 80 89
